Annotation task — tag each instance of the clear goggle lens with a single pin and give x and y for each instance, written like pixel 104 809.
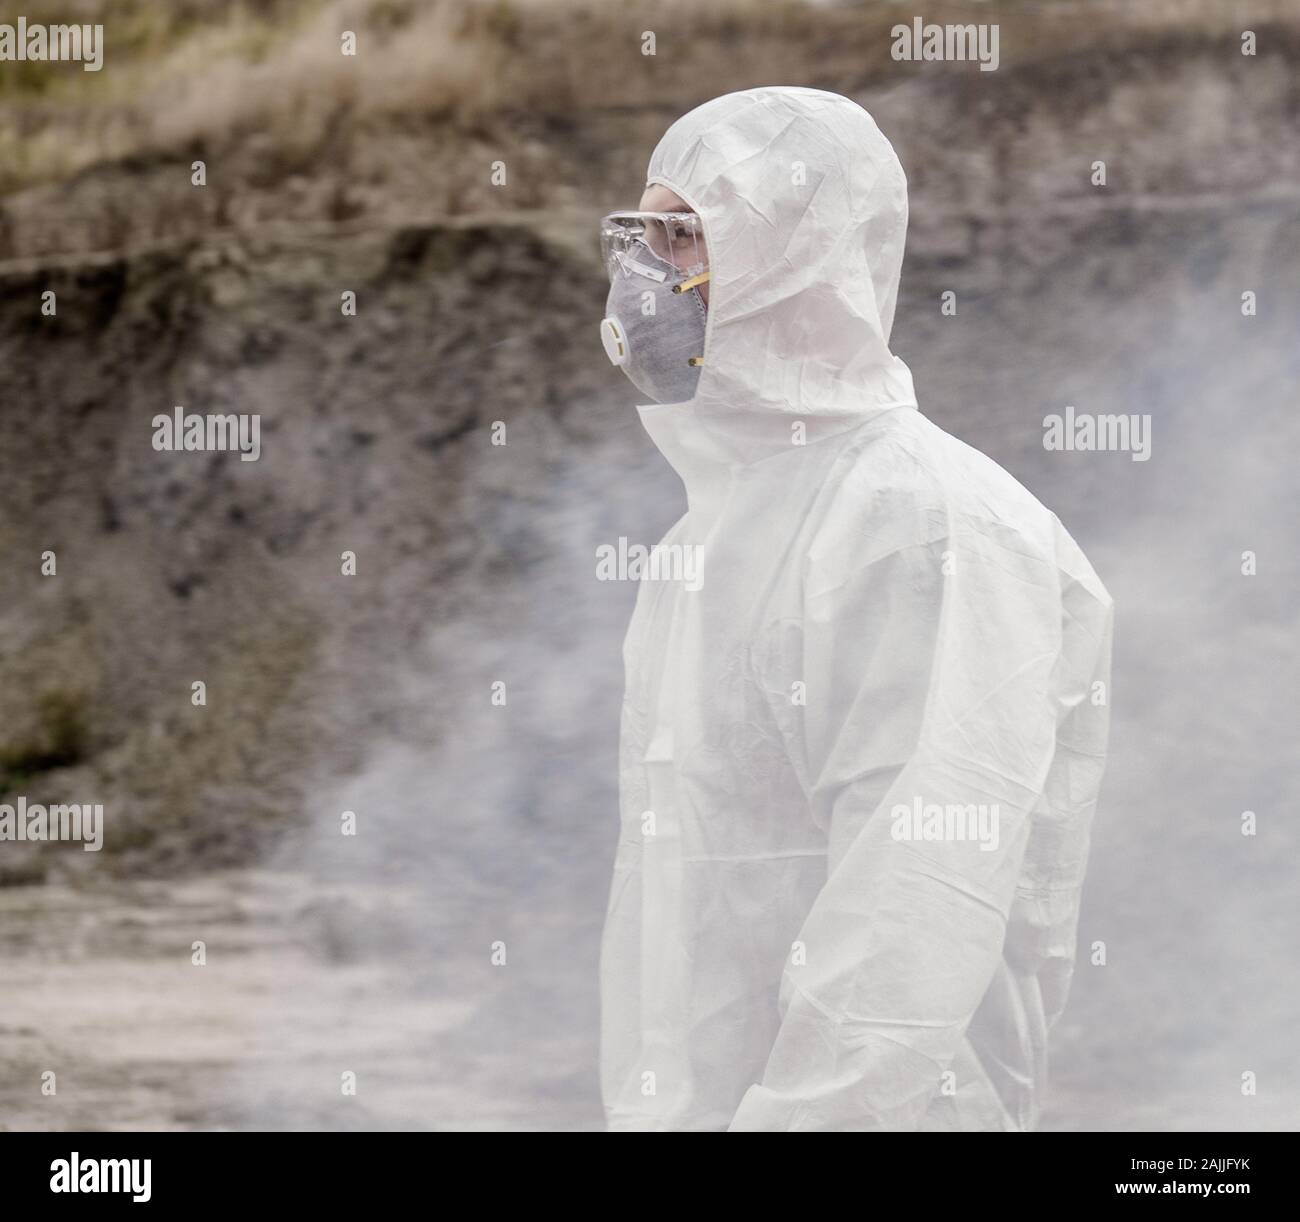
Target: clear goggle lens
pixel 677 238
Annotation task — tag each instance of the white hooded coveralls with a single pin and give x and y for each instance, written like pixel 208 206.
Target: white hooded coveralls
pixel 887 622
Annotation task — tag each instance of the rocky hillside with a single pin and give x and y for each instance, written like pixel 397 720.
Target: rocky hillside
pixel 176 567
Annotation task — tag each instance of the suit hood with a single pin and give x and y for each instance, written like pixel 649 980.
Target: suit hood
pixel 804 208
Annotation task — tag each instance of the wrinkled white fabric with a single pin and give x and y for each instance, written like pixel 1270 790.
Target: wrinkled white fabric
pixel 886 618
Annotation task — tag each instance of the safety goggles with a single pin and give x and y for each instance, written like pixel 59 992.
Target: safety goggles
pixel 674 238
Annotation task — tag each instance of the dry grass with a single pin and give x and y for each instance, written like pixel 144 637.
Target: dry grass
pixel 196 76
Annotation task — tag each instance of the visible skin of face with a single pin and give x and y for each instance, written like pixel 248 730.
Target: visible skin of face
pixel 657 198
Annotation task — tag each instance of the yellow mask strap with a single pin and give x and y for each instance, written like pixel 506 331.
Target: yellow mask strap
pixel 691 283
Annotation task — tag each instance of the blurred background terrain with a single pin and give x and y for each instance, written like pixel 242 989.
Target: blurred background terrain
pixel 476 563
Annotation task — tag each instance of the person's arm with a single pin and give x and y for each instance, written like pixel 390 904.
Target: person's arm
pixel 1043 927
pixel 924 687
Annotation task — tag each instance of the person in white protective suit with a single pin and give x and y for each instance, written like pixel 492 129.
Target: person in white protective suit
pixel 859 762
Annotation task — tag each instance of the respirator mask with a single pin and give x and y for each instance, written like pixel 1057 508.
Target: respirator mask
pixel 654 317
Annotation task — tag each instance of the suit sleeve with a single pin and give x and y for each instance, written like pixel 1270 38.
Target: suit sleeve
pixel 934 691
